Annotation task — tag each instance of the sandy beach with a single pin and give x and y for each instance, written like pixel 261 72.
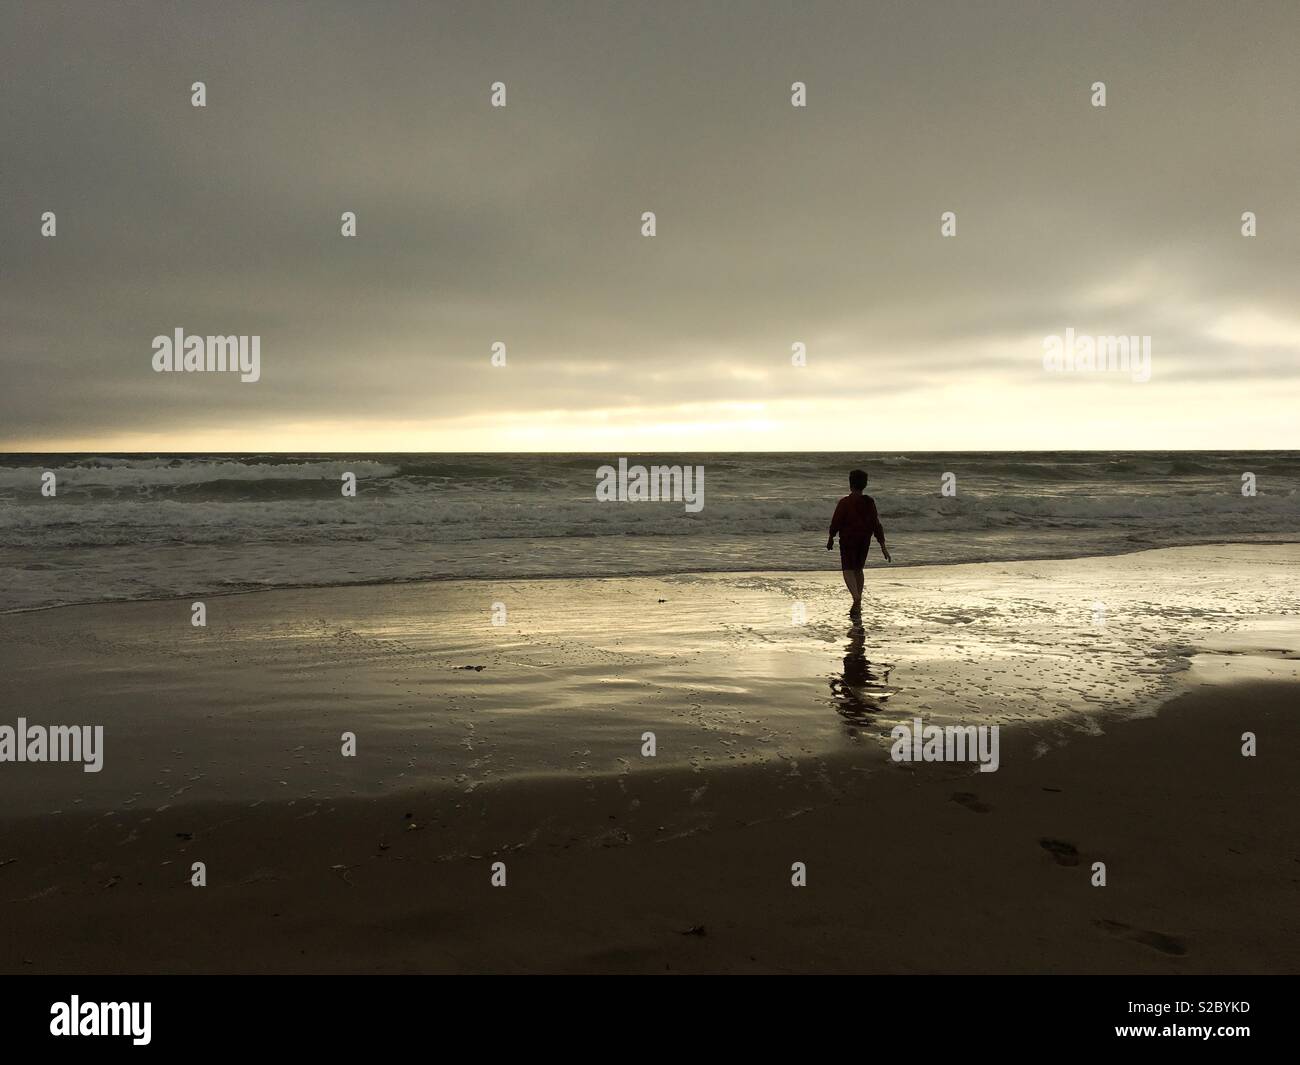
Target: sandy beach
pixel 574 488
pixel 522 743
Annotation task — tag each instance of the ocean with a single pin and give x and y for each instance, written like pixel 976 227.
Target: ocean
pixel 144 526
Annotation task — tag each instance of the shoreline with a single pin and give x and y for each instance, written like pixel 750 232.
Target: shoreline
pixel 522 742
pixel 873 564
pixel 468 683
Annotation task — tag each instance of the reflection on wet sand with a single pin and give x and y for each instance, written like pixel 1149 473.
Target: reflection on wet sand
pixel 861 689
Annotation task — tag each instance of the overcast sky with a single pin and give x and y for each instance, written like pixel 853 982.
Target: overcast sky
pixel 775 224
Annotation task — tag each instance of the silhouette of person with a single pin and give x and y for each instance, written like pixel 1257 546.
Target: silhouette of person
pixel 856 520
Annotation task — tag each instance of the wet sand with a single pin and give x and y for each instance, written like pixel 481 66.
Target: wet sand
pixel 926 868
pixel 222 747
pixel 726 669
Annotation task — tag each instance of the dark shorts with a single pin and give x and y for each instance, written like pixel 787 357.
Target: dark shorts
pixel 853 551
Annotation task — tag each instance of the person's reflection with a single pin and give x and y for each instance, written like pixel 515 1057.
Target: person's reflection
pixel 860 690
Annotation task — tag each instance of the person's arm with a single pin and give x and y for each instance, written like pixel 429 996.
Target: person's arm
pixel 837 519
pixel 878 531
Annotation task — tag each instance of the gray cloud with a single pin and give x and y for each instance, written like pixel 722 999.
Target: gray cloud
pixel 521 224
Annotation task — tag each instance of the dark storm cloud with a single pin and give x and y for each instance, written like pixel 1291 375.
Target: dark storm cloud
pixel 775 224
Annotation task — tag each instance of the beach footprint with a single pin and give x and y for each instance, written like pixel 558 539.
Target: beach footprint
pixel 971 801
pixel 1166 944
pixel 1062 853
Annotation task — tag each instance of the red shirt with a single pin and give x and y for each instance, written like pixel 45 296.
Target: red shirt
pixel 856 518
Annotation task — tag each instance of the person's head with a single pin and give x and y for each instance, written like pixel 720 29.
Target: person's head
pixel 858 480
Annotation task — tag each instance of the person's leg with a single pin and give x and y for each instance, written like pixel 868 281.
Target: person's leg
pixel 853 581
pixel 850 582
pixel 852 559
